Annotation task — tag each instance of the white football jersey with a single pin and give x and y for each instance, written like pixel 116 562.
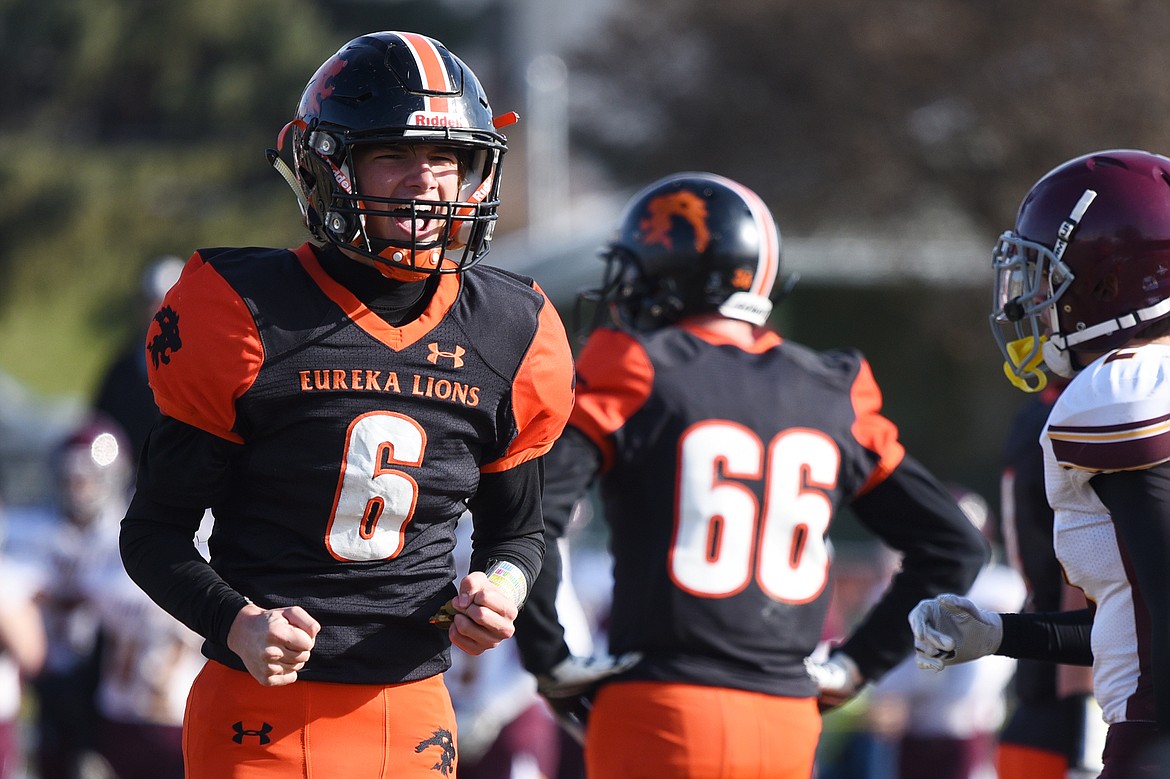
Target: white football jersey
pixel 1113 416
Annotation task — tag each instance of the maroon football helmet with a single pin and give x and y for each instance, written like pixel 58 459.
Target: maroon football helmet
pixel 94 469
pixel 1087 266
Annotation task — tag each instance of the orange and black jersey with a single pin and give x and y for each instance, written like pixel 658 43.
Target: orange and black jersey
pixel 337 450
pixel 721 469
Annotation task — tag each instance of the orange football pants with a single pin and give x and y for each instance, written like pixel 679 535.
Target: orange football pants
pixel 656 730
pixel 234 728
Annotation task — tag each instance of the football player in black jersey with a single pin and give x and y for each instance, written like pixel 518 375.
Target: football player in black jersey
pixel 338 406
pixel 723 453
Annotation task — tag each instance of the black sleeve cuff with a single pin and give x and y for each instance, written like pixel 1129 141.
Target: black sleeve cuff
pixel 1062 637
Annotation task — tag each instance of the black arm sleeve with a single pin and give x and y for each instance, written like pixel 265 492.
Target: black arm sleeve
pixel 505 511
pixel 1139 503
pixel 1058 637
pixel 570 467
pixel 941 552
pixel 182 471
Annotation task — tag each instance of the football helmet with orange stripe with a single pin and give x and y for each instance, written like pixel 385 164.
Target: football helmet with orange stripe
pixel 687 244
pixel 1087 266
pixel 395 88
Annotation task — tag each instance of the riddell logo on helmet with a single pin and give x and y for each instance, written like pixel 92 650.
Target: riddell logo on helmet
pixel 431 119
pixel 662 211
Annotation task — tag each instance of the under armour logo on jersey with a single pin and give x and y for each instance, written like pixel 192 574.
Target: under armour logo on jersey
pixel 455 356
pixel 443 740
pixel 261 734
pixel 167 340
pixel 685 205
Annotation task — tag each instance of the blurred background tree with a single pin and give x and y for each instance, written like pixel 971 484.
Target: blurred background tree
pixel 843 113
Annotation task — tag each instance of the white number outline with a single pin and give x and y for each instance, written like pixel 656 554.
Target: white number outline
pixel 375 501
pixel 721 537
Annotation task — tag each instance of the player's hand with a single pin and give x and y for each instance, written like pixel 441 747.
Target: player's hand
pixel 570 685
pixel 273 643
pixel 484 615
pixel 838 679
pixel 951 629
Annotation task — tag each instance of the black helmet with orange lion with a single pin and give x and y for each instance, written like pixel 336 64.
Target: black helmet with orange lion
pixel 395 88
pixel 688 244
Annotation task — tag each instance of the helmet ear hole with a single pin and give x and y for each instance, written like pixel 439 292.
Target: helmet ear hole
pixel 340 227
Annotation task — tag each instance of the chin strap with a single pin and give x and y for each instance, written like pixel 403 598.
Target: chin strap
pixel 286 173
pixel 1023 366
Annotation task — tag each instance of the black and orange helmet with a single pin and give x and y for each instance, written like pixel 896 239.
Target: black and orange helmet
pixel 691 243
pixel 396 87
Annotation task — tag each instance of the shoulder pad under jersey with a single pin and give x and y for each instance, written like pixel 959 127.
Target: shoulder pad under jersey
pixel 1115 415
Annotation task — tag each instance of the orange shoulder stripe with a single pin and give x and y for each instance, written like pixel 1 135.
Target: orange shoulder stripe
pixel 614 379
pixel 542 392
pixel 871 429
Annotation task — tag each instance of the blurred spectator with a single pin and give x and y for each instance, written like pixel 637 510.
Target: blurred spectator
pixel 93 470
pixel 123 393
pixel 944 726
pixel 22 652
pixel 149 660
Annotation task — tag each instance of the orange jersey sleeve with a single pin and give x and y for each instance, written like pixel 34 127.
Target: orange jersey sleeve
pixel 614 379
pixel 542 392
pixel 203 351
pixel 871 429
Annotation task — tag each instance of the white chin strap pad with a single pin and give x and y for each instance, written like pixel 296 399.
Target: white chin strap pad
pixel 1058 360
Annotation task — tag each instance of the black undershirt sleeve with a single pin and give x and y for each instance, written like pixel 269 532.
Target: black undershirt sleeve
pixel 505 512
pixel 912 512
pixel 1057 637
pixel 1139 503
pixel 570 468
pixel 181 473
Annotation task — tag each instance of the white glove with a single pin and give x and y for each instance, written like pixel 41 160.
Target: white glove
pixel 570 685
pixel 951 629
pixel 837 678
pixel 575 675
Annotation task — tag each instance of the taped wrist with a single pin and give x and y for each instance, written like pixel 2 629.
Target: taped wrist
pixel 510 579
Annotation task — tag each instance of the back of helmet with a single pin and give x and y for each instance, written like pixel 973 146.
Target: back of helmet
pixel 692 243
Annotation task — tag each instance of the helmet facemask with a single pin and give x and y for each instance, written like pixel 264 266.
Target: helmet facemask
pixel 1029 279
pixel 466 223
pixel 628 296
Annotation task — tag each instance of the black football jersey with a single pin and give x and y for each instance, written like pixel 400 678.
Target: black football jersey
pixel 362 443
pixel 723 468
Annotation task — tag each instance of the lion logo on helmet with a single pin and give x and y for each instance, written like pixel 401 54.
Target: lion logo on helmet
pixel 664 209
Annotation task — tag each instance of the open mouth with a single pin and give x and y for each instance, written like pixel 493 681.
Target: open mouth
pixel 421 222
